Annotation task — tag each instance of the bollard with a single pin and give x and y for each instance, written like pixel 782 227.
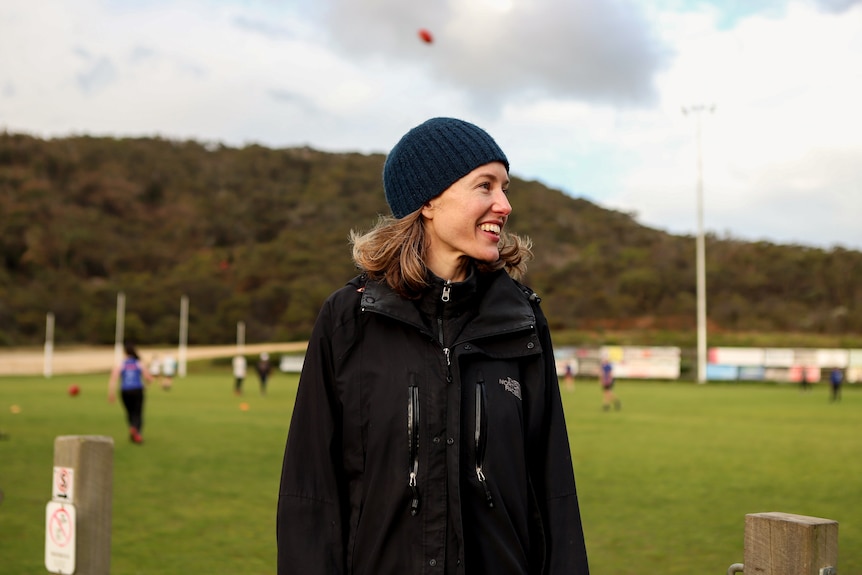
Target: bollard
pixel 787 544
pixel 84 465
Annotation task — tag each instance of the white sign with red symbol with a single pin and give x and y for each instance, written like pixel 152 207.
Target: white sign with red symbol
pixel 60 538
pixel 64 484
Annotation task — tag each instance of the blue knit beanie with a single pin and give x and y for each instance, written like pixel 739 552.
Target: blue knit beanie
pixel 433 156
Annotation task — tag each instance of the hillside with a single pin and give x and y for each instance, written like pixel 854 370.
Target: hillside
pixel 260 235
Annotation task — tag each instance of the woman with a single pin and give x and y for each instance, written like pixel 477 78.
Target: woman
pixel 131 374
pixel 428 434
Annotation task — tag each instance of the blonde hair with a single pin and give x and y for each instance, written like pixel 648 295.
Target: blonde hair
pixel 395 250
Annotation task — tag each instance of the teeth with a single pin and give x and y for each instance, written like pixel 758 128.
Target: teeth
pixel 493 228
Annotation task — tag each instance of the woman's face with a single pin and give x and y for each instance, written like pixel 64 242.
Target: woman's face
pixel 465 221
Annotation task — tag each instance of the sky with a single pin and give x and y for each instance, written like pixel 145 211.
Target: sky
pixel 636 106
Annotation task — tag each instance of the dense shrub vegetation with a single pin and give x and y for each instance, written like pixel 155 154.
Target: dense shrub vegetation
pixel 260 235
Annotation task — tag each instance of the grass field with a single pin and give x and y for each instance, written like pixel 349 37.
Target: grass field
pixel 664 484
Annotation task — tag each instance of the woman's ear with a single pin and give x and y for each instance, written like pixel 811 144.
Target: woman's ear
pixel 428 210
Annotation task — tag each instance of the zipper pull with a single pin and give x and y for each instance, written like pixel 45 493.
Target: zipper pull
pixel 414 504
pixel 481 476
pixel 446 352
pixel 446 288
pixel 480 438
pixel 413 445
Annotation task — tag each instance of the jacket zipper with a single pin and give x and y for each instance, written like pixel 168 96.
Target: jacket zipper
pixel 413 446
pixel 481 440
pixel 413 413
pixel 444 298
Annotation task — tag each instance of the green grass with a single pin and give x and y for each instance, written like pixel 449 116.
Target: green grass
pixel 664 484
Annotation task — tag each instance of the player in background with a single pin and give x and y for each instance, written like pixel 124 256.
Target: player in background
pixel 240 365
pixel 264 368
pixel 130 374
pixel 608 396
pixel 169 370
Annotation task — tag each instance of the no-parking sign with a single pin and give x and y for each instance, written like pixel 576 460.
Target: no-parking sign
pixel 60 538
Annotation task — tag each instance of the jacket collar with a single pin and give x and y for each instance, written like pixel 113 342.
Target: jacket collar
pixel 502 304
pixel 461 297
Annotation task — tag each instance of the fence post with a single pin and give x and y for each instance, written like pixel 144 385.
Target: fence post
pixel 92 459
pixel 787 544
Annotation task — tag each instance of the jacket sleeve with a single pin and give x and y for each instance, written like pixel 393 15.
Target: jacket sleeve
pixel 565 548
pixel 309 525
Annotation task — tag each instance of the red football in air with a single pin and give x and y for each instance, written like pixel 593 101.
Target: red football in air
pixel 74 390
pixel 426 36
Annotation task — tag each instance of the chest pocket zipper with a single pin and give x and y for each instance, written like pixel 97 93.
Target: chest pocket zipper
pixel 481 439
pixel 413 446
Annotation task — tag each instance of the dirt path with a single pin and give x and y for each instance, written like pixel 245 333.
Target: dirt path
pixel 31 361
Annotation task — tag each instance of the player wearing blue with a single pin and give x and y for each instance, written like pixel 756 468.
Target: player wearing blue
pixel 131 375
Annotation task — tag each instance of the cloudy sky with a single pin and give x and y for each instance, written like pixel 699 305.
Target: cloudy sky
pixel 583 95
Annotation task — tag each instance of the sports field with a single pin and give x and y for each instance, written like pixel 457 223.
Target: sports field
pixel 664 484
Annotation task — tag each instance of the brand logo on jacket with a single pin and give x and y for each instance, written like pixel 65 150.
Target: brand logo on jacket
pixel 512 386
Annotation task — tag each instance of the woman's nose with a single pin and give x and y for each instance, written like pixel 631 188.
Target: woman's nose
pixel 501 203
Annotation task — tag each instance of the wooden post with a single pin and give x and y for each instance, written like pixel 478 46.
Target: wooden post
pixel 92 459
pixel 786 544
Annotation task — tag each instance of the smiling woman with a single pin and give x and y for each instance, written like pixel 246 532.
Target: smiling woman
pixel 464 223
pixel 437 337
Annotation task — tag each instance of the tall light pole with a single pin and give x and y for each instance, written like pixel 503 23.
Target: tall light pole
pixel 700 248
pixel 119 332
pixel 48 364
pixel 240 337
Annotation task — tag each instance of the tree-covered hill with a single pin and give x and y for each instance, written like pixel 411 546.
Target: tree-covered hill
pixel 260 235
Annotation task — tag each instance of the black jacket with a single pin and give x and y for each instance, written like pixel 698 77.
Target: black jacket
pixel 429 437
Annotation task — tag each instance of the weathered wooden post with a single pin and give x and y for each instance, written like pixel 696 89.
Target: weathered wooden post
pixel 786 544
pixel 78 529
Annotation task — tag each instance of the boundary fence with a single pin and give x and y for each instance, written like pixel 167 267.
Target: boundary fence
pixel 783 365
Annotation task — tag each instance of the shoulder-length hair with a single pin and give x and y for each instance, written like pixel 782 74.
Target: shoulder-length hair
pixel 395 250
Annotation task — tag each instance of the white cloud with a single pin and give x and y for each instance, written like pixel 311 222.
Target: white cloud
pixel 781 150
pixel 584 95
pixel 581 49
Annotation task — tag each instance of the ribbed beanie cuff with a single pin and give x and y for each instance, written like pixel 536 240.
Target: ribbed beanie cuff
pixel 433 156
